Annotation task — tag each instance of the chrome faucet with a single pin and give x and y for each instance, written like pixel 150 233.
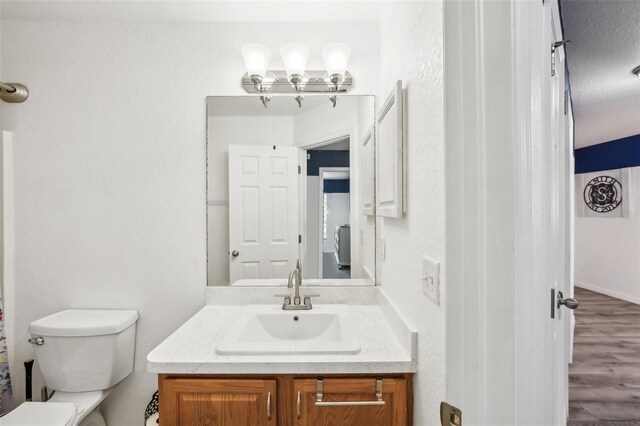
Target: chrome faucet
pixel 296 275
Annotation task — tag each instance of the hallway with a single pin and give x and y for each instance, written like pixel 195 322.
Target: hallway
pixel 604 379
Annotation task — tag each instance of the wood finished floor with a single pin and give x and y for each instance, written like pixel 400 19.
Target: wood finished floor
pixel 604 378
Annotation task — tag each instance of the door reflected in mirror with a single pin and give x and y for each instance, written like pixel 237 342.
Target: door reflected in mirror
pixel 286 182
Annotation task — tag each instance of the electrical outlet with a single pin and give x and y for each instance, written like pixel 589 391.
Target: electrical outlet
pixel 431 279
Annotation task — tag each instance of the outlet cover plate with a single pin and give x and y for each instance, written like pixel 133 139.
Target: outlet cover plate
pixel 431 279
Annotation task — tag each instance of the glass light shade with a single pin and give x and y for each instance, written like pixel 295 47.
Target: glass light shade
pixel 256 59
pixel 295 57
pixel 336 58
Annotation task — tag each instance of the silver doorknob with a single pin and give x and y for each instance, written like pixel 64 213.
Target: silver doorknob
pixel 569 302
pixel 235 253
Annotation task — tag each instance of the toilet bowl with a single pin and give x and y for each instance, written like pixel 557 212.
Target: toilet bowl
pixel 82 355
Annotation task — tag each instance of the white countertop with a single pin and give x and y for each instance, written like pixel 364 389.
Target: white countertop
pixel 388 344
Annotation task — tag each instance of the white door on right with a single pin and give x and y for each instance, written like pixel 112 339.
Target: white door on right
pixel 263 211
pixel 560 181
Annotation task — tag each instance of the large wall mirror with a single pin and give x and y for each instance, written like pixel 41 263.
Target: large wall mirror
pixel 287 182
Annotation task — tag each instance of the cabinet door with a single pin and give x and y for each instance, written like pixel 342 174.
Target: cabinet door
pixel 344 398
pixel 219 402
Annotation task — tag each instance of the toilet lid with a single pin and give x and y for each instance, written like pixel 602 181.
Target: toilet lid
pixel 41 414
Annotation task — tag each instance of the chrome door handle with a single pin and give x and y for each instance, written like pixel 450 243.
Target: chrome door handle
pixel 235 253
pixel 569 302
pixel 299 406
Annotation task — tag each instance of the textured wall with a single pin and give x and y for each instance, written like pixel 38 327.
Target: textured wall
pixel 110 166
pixel 607 256
pixel 411 50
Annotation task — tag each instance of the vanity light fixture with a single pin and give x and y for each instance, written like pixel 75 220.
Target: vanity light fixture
pixel 295 57
pixel 336 58
pixel 256 60
pixel 295 78
pixel 636 71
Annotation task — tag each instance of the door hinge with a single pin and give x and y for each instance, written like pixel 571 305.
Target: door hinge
pixel 299 239
pixel 299 170
pixel 450 415
pixel 554 47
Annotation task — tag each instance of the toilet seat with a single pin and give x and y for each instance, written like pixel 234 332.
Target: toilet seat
pixel 41 414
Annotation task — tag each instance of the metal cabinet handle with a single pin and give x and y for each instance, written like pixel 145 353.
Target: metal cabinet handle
pixel 299 406
pixel 235 253
pixel 269 406
pixel 321 403
pixel 346 403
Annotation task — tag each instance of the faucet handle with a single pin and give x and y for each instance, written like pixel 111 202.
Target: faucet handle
pixel 287 298
pixel 307 299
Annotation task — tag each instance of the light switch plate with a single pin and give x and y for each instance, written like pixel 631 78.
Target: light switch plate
pixel 431 279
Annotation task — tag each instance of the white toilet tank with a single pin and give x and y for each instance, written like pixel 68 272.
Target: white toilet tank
pixel 85 349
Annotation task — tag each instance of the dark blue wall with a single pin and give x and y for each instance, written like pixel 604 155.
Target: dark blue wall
pixel 338 185
pixel 317 159
pixel 616 154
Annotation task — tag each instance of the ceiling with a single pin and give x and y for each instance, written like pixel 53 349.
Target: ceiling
pixel 604 48
pixel 193 11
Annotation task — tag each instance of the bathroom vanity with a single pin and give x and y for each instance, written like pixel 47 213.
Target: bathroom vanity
pixel 281 177
pixel 356 400
pixel 225 364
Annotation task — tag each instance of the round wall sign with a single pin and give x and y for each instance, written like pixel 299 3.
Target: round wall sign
pixel 603 194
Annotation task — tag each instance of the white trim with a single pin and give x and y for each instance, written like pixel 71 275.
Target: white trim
pixel 394 206
pixel 7 286
pixel 321 172
pixel 367 271
pixel 608 292
pixel 523 229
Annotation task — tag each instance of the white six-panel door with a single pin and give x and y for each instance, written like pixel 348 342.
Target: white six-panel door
pixel 263 211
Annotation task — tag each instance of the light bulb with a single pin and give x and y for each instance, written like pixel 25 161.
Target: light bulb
pixel 295 57
pixel 256 59
pixel 336 58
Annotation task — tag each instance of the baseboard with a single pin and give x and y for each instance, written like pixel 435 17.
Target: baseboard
pixel 608 292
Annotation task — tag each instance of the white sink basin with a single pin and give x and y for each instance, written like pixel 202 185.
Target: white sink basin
pixel 267 329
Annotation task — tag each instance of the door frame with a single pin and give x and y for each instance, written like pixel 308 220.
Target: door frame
pixel 493 75
pixel 321 171
pixel 334 137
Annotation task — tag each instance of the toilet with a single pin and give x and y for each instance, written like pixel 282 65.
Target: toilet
pixel 83 354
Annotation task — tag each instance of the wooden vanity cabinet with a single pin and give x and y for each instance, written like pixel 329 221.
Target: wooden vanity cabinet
pixel 201 401
pixel 285 400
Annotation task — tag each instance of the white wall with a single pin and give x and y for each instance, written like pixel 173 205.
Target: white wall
pixel 312 235
pixel 411 36
pixel 607 256
pixel 110 166
pixel 337 214
pixel 352 116
pixel 325 122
